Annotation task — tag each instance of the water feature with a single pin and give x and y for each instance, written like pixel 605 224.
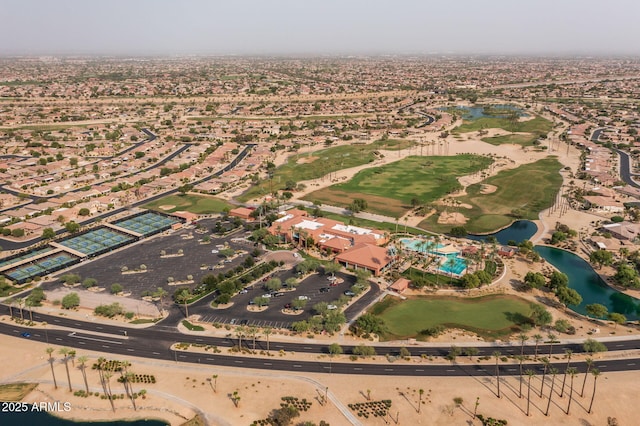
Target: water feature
pixel 486 111
pixel 518 231
pixel 416 245
pixel 42 418
pixel 588 283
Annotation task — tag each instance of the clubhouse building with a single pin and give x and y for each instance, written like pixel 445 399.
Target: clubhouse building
pixel 356 247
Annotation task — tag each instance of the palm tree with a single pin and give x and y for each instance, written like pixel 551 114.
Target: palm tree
pixel 572 371
pixel 65 353
pixel 420 393
pixel 568 353
pixel 596 373
pixel 107 380
pixel 183 297
pixel 520 358
pixel 240 330
pixel 81 365
pixel 553 372
pixel 215 383
pixel 496 355
pixel 589 363
pixel 546 363
pixel 20 301
pixel 552 338
pixel 267 331
pixel 253 333
pixel 129 378
pixel 51 361
pixel 530 374
pixel 537 338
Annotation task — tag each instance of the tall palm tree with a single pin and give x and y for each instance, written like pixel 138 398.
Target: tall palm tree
pixel 240 331
pixel 65 353
pixel 553 372
pixel 496 355
pixel 546 363
pixel 51 361
pixel 568 353
pixel 107 380
pixel 82 366
pixel 552 338
pixel 572 371
pixel 595 373
pixel 420 393
pixel 530 374
pixel 267 331
pixel 129 378
pixel 589 363
pixel 20 301
pixel 520 358
pixel 10 301
pixel 523 338
pixel 537 338
pixel 183 297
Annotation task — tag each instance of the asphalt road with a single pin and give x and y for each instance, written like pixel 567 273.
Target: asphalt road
pixel 625 168
pixel 148 347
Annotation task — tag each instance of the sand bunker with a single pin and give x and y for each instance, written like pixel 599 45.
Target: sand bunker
pixel 488 189
pixel 166 207
pixel 453 218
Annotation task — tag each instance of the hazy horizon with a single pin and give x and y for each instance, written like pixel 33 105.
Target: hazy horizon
pixel 332 27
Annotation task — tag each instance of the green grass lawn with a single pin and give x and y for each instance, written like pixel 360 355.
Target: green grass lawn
pixel 316 164
pixel 490 317
pixel 198 204
pixel 522 192
pixel 389 189
pixel 515 139
pixel 537 126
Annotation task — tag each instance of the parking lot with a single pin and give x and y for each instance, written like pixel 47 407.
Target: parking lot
pixel 273 315
pixel 107 269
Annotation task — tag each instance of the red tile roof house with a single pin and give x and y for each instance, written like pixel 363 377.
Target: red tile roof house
pixel 242 213
pixel 366 256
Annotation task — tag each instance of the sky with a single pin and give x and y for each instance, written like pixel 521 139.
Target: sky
pixel 319 27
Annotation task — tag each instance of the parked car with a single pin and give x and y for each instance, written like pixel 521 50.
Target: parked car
pixel 325 289
pixel 349 293
pixel 332 307
pixel 278 294
pixel 303 297
pixel 267 295
pixel 214 251
pixel 287 306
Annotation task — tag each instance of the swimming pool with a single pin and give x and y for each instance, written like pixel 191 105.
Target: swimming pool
pixel 417 245
pixel 457 265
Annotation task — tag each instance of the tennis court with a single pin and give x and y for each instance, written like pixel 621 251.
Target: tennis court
pixel 22 257
pixel 147 223
pixel 41 267
pixel 97 241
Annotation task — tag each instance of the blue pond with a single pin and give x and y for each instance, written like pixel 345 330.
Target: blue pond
pixel 588 283
pixel 486 111
pixel 41 418
pixel 519 230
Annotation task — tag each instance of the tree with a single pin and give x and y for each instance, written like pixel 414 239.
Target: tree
pixel 617 318
pixel 273 284
pixel 568 296
pixel 284 416
pixel 84 212
pixel 592 346
pixel 72 227
pixel 595 373
pixel 260 301
pixel 537 338
pixel 558 279
pixel 572 371
pixel 458 231
pixel 358 205
pixel 267 331
pixel 589 363
pixel 65 353
pixel 48 233
pixel 51 361
pixel 520 359
pixel 554 372
pixel 116 288
pixel 420 393
pixel 601 258
pixel 82 367
pixel 540 315
pixel 546 364
pixel 335 349
pixel 496 355
pixel 36 297
pixel 534 280
pixel 530 374
pixel 183 296
pixel 596 310
pixel 70 301
pixel 568 353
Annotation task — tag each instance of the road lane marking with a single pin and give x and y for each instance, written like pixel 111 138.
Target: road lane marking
pixel 297 366
pixel 73 334
pixel 130 350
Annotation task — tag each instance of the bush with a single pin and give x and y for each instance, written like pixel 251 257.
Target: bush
pixel 109 311
pixel 70 301
pixel 116 288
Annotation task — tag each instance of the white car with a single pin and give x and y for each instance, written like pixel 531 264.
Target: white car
pixel 214 251
pixel 268 296
pixel 332 307
pixel 303 297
